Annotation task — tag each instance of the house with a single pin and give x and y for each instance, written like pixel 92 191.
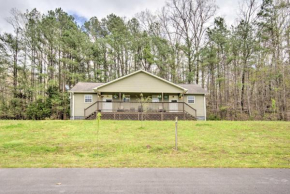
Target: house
pixel 139 95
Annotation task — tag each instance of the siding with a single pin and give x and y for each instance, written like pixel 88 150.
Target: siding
pixel 198 105
pixel 80 105
pixel 140 83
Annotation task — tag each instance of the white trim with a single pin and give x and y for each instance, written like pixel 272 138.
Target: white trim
pixel 193 99
pixel 195 93
pixel 88 95
pixel 143 72
pixel 204 102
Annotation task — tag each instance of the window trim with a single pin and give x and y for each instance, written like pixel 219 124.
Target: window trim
pixel 191 99
pixel 88 98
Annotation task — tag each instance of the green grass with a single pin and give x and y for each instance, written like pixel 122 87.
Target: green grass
pixel 127 144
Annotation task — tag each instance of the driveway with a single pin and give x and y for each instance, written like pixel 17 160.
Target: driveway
pixel 144 180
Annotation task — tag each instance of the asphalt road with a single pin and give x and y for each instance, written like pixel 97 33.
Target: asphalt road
pixel 144 180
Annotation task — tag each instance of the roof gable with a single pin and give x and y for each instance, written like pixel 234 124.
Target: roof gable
pixel 90 87
pixel 141 81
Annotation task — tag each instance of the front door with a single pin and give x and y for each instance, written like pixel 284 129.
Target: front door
pixel 107 105
pixel 173 105
pixel 155 98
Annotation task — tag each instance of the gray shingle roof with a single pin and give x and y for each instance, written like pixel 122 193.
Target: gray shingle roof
pixel 85 87
pixel 193 89
pixel 89 86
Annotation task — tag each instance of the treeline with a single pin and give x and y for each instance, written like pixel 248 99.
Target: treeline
pixel 245 67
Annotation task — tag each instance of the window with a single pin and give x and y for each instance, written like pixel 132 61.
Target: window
pixel 190 99
pixel 88 98
pixel 127 98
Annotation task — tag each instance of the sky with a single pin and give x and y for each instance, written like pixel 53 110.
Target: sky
pixel 83 10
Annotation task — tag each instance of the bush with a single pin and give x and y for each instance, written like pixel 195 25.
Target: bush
pixel 38 110
pixel 213 117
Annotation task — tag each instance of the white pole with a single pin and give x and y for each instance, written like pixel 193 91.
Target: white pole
pixel 176 119
pixel 73 106
pixel 204 101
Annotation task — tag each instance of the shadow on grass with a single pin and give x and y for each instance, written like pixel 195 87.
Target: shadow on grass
pixel 202 124
pixel 19 125
pixel 97 155
pixel 166 150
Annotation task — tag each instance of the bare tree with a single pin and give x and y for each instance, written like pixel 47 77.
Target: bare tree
pixel 189 19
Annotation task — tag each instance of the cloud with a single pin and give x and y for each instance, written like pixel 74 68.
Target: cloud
pixel 228 9
pixel 80 20
pixel 85 9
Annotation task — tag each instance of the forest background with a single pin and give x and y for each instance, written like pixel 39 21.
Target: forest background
pixel 245 67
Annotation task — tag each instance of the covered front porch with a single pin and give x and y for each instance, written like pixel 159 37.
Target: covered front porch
pixel 140 110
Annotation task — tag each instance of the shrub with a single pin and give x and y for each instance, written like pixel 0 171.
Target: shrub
pixel 213 117
pixel 38 110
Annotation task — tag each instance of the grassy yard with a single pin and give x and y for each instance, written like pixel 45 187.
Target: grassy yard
pixel 127 144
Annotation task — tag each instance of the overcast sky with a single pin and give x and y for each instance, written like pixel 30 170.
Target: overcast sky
pixel 85 9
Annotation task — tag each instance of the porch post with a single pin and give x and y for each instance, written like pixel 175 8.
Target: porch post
pixel 97 102
pixel 120 98
pixel 162 105
pixel 183 97
pixel 183 105
pixel 183 100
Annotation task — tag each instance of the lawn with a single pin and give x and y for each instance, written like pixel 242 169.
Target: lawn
pixel 126 144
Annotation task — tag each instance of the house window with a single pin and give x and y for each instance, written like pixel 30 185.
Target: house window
pixel 88 98
pixel 191 99
pixel 127 98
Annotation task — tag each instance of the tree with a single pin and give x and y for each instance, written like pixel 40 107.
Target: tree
pixel 245 67
pixel 189 19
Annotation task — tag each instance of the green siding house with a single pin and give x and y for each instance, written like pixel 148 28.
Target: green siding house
pixel 139 95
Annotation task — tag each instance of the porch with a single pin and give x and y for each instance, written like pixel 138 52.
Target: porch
pixel 119 110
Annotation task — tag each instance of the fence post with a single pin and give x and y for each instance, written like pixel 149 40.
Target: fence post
pixel 176 119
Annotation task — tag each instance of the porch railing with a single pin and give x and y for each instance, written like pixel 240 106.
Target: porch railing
pixel 189 110
pixel 149 107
